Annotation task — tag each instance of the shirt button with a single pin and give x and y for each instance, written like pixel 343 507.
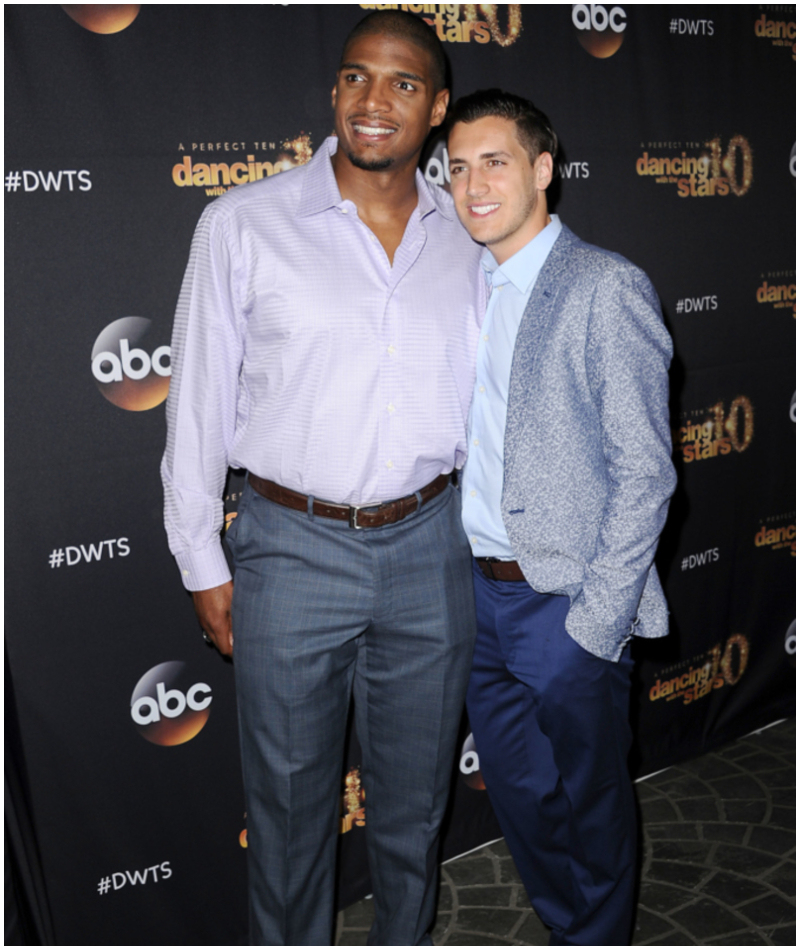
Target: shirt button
pixel 473 540
pixel 185 573
pixel 390 464
pixel 473 493
pixel 481 389
pixel 475 442
pixel 486 337
pixel 390 407
pixel 390 350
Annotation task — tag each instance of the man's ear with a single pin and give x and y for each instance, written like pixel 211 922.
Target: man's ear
pixel 439 109
pixel 543 171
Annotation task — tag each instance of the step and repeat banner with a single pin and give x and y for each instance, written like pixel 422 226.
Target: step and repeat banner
pixel 122 123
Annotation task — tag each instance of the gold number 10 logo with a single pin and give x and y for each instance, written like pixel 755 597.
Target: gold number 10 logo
pixel 724 167
pixel 739 418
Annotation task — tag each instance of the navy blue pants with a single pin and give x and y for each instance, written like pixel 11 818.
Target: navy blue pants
pixel 321 611
pixel 550 723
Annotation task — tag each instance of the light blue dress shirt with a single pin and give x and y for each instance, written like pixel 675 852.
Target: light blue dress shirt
pixel 510 287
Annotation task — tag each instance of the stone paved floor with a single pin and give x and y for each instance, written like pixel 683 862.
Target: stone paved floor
pixel 718 863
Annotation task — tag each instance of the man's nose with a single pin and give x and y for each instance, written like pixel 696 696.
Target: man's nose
pixel 375 97
pixel 476 183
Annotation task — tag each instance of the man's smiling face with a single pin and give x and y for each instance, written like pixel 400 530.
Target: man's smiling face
pixel 498 192
pixel 384 101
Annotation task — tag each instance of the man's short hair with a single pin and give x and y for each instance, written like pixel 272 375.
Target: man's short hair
pixel 534 131
pixel 404 26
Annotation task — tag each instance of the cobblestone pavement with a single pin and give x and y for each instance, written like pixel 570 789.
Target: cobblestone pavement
pixel 718 863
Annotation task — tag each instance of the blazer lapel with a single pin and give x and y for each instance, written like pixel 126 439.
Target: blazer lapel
pixel 540 311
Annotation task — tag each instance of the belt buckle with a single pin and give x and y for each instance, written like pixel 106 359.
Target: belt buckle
pixel 353 519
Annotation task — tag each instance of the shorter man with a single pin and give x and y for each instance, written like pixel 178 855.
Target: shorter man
pixel 564 497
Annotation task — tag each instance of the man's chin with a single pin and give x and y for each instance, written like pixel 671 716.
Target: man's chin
pixel 477 233
pixel 370 164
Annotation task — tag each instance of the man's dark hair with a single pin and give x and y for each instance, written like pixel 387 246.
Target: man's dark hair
pixel 534 131
pixel 404 26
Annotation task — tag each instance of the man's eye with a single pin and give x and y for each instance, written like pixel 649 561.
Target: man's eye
pixel 407 87
pixel 456 169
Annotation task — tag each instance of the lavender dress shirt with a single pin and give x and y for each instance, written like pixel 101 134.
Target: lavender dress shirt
pixel 301 354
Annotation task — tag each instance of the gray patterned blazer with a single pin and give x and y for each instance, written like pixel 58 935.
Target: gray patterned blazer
pixel 588 470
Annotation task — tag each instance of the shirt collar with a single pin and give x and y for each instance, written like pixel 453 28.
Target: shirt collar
pixel 321 192
pixel 523 268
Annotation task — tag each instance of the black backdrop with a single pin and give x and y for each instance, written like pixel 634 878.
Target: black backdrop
pixel 677 125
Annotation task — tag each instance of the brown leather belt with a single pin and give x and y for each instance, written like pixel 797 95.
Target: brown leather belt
pixel 357 516
pixel 500 570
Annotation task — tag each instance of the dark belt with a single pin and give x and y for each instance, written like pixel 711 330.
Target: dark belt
pixel 500 570
pixel 357 516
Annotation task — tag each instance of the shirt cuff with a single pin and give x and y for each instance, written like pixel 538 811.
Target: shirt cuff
pixel 201 570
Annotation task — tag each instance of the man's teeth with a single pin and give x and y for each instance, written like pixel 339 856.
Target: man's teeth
pixel 483 209
pixel 371 130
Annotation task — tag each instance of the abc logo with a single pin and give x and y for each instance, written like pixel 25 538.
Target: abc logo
pixel 167 708
pixel 790 642
pixel 469 766
pixel 127 371
pixel 600 30
pixel 437 168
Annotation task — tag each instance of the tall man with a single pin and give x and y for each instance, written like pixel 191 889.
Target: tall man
pixel 564 496
pixel 324 340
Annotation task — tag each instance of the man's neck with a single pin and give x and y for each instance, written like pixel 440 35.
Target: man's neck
pixel 385 199
pixel 508 249
pixel 384 194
